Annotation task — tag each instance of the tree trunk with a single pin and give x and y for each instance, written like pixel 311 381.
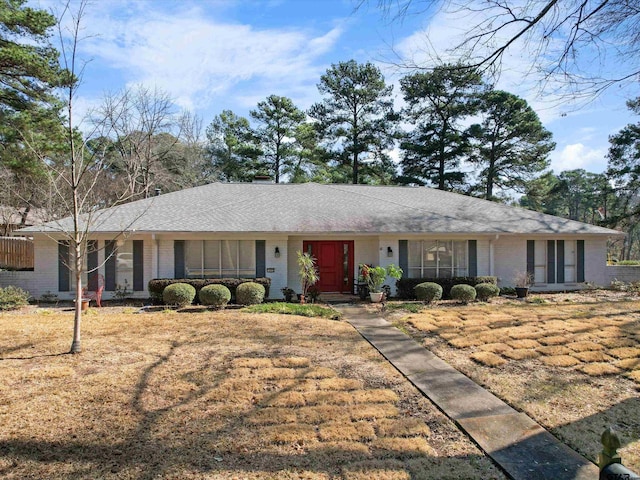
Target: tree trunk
pixel 77 319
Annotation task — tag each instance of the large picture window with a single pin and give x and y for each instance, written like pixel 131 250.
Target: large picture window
pixel 437 258
pixel 220 258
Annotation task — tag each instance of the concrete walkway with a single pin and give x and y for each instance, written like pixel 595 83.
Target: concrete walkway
pixel 523 449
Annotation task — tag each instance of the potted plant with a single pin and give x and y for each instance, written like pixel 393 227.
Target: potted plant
pixel 308 273
pixel 375 277
pixel 288 294
pixel 523 281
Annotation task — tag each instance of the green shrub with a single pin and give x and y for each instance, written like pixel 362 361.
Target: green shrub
pixel 508 291
pixel 249 293
pixel 214 295
pixel 463 293
pixel 13 297
pixel 181 294
pixel 405 291
pixel 485 291
pixel 157 285
pixel 428 292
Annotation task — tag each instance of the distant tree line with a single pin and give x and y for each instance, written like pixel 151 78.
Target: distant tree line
pixel 454 132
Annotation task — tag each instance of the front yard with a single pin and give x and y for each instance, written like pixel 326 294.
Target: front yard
pixel 216 395
pixel 573 367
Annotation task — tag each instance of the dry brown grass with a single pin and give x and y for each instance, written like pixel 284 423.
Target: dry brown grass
pixel 575 368
pixel 213 395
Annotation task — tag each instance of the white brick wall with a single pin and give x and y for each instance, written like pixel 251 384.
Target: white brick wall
pixel 623 273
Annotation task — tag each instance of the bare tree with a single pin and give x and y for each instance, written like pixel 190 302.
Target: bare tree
pixel 76 173
pixel 579 47
pixel 141 122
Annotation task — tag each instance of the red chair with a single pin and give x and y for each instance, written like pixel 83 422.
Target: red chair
pixel 98 285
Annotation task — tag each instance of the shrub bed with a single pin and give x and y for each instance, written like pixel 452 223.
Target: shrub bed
pixel 250 293
pixel 157 285
pixel 463 293
pixel 405 286
pixel 214 295
pixel 486 291
pixel 428 292
pixel 181 294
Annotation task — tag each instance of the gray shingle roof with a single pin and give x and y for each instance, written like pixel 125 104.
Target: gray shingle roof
pixel 315 208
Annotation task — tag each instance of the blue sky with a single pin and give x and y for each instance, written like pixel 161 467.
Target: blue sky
pixel 211 55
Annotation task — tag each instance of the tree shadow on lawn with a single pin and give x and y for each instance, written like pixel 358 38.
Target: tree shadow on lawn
pixel 241 415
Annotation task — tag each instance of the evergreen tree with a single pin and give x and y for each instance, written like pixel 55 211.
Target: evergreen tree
pixel 278 119
pixel 233 149
pixel 437 103
pixel 510 146
pixel 356 115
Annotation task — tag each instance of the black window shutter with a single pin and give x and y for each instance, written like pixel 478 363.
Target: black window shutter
pixel 110 266
pixel 531 261
pixel 63 266
pixel 551 261
pixel 261 259
pixel 92 265
pixel 403 257
pixel 178 259
pixel 473 258
pixel 580 259
pixel 560 261
pixel 138 265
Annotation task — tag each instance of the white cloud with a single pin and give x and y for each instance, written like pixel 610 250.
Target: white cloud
pixel 198 59
pixel 577 155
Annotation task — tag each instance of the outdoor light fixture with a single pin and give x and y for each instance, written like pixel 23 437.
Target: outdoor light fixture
pixel 277 252
pixel 389 252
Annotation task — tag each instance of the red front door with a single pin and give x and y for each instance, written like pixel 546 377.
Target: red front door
pixel 335 264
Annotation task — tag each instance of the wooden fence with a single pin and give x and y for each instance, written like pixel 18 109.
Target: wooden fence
pixel 16 253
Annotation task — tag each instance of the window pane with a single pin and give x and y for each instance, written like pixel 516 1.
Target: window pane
pixel 415 257
pixel 569 261
pixel 193 258
pixel 540 273
pixel 415 272
pixel 460 258
pixel 212 257
pixel 430 257
pixel 445 257
pixel 229 258
pixel 124 265
pixel 247 249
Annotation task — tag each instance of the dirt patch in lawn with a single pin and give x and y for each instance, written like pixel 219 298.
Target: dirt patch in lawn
pixel 214 395
pixel 573 367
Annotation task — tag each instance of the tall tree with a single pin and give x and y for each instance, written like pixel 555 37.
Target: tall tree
pixel 581 46
pixel 510 146
pixel 624 172
pixel 29 112
pixel 233 148
pixel 278 118
pixel 144 128
pixel 29 66
pixel 437 103
pixel 355 114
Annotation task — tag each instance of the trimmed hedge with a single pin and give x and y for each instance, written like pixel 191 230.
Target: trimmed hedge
pixel 181 294
pixel 486 291
pixel 463 293
pixel 428 292
pixel 214 295
pixel 405 286
pixel 157 285
pixel 250 293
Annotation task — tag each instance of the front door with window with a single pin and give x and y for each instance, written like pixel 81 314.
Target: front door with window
pixel 335 264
